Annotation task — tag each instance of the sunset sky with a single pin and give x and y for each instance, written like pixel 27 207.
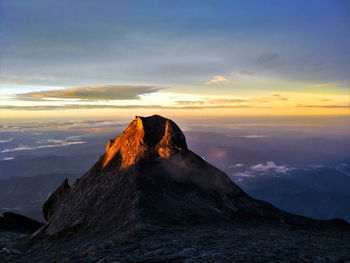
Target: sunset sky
pixel 62 59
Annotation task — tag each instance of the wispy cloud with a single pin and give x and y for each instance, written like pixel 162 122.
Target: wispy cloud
pixel 243 174
pixel 98 92
pixel 210 101
pixel 326 85
pixel 268 99
pixel 225 101
pixel 235 101
pixel 190 102
pixel 216 80
pixel 8 158
pixel 55 143
pixel 253 136
pixel 71 125
pixel 324 106
pixel 270 167
pixel 279 97
pixel 6 140
pixel 236 165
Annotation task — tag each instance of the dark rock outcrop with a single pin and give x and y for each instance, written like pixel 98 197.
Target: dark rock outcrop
pixel 148 177
pixel 55 199
pixel 13 221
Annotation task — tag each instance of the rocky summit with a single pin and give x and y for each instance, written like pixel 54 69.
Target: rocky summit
pixel 150 199
pixel 147 138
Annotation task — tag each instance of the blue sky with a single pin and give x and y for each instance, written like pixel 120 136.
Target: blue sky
pixel 291 46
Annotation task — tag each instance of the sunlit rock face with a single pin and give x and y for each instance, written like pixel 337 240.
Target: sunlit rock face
pixel 146 138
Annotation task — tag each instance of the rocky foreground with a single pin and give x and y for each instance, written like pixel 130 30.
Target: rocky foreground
pixel 261 243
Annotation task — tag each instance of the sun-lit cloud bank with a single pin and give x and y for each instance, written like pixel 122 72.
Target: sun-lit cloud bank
pixel 99 92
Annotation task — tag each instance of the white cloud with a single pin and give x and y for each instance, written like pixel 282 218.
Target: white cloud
pixel 217 79
pixel 5 141
pixel 241 174
pixel 316 166
pixel 254 136
pixel 8 158
pixel 270 167
pixel 236 165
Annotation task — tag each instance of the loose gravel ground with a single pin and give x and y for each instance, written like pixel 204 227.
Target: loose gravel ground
pixel 191 244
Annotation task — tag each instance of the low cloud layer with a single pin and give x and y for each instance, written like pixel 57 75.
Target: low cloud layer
pixel 99 92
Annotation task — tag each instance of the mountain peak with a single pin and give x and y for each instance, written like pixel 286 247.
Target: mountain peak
pixel 146 138
pixel 148 177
